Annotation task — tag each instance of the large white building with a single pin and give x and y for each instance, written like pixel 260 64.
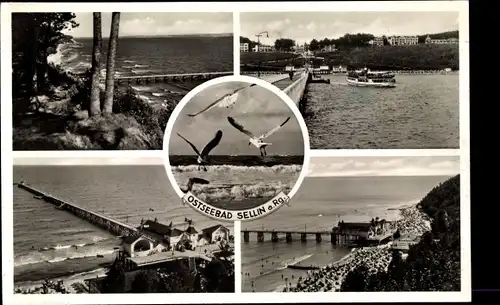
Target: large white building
pixel 402 40
pixel 429 40
pixel 244 47
pixel 263 48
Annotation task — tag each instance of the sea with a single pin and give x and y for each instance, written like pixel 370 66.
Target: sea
pixel 153 56
pixel 239 182
pixel 320 204
pixel 54 244
pixel 422 111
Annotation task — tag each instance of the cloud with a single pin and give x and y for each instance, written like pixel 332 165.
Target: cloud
pixel 304 26
pixel 383 166
pixel 157 24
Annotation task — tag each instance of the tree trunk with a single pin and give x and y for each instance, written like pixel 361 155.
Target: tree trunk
pixel 110 66
pixel 32 73
pixel 41 69
pixel 95 103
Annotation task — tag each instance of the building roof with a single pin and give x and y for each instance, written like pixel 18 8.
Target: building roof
pixel 130 239
pixel 212 229
pixel 157 227
pixel 355 225
pixel 175 232
pixel 191 230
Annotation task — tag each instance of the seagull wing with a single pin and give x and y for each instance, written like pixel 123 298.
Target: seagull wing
pixel 270 132
pixel 240 127
pixel 227 100
pixel 211 145
pixel 224 101
pixel 199 181
pixel 190 144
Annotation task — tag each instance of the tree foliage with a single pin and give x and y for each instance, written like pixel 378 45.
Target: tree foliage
pixel 216 276
pixel 35 36
pixel 434 263
pixel 284 44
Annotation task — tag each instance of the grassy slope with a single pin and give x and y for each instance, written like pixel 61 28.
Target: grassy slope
pixel 425 57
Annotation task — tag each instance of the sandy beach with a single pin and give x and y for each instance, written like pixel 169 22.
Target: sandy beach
pixel 413 223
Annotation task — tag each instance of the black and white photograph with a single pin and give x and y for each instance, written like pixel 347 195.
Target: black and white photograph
pixel 236 145
pixel 373 80
pixel 361 224
pixel 111 225
pixel 64 99
pixel 147 159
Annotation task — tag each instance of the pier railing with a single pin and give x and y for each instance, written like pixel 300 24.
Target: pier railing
pixel 296 90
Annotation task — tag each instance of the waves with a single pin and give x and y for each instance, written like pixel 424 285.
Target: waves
pixel 61 253
pixel 243 191
pixel 294 261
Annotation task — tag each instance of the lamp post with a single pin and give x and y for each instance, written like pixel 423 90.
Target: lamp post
pixel 258 49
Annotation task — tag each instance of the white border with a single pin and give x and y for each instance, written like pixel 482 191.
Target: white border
pixel 249 80
pixel 236 43
pixel 6 162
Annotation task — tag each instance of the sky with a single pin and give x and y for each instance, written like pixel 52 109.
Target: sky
pixel 157 24
pixel 256 108
pixel 383 166
pixel 304 26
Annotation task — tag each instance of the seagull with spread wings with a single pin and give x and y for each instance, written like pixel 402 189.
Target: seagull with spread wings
pixel 203 156
pixel 192 181
pixel 225 101
pixel 257 141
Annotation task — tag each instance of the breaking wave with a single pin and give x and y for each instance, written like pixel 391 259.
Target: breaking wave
pixel 242 191
pixel 61 253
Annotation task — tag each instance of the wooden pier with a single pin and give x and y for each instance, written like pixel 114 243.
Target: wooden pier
pixel 107 223
pixel 337 237
pixel 140 79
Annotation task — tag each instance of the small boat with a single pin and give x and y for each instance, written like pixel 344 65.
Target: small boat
pixel 100 255
pixel 367 78
pixel 38 197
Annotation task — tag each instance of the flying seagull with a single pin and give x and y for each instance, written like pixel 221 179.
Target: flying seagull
pixel 225 101
pixel 203 156
pixel 191 182
pixel 257 141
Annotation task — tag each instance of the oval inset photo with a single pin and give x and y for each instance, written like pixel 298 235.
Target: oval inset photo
pixel 237 148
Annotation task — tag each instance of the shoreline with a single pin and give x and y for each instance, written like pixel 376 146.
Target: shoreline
pixel 412 222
